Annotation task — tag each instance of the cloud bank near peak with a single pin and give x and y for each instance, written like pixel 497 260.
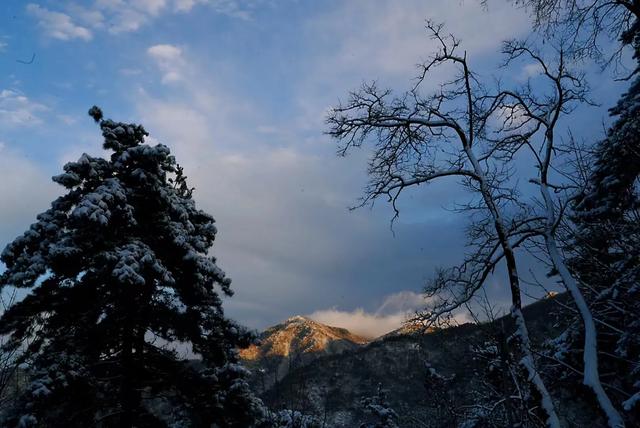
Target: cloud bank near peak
pixel 390 315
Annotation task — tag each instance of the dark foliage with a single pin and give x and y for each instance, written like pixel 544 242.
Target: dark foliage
pixel 121 287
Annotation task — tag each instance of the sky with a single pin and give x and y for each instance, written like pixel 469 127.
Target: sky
pixel 239 90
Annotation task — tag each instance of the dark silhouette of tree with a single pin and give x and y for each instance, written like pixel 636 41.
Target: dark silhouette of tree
pixel 422 138
pixel 121 283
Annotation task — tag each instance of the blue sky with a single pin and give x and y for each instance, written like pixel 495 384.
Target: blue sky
pixel 239 91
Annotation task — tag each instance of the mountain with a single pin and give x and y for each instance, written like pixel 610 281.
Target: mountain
pixel 409 328
pixel 294 343
pixel 405 363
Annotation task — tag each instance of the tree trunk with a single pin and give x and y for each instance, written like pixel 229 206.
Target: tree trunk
pixel 591 377
pixel 521 333
pixel 126 386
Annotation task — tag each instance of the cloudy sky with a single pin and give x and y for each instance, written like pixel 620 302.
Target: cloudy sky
pixel 239 91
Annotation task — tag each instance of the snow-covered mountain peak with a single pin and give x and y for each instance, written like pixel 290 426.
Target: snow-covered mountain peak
pixel 298 336
pixel 297 318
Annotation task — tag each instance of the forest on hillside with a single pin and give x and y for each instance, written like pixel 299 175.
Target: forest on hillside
pixel 114 302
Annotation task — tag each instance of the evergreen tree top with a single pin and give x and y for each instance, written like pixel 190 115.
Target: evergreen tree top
pixel 118 269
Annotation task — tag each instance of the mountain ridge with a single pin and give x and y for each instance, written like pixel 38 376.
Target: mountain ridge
pixel 294 343
pixel 331 387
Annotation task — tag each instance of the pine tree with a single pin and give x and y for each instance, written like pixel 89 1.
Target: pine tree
pixel 292 419
pixel 378 407
pixel 119 272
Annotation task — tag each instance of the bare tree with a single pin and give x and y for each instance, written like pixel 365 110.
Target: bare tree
pixel 542 111
pixel 588 24
pixel 604 207
pixel 420 139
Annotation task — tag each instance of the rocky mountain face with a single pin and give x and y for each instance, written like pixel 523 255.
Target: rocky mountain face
pixel 331 387
pixel 293 344
pixel 409 328
pixel 326 371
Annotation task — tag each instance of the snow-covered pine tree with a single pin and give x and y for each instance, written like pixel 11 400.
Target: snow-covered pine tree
pixel 383 416
pixel 118 272
pixel 291 419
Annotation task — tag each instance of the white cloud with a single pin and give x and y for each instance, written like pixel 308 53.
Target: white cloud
pixel 169 59
pixel 91 18
pixel 232 8
pixel 58 25
pixel 394 311
pixel 165 52
pixel 360 322
pixel 18 110
pixel 3 46
pixel 185 5
pixel 401 302
pixel 509 117
pixel 152 7
pixel 390 315
pixel 121 16
pixel 127 20
pixel 117 16
pixel 530 70
pixel 363 40
pixel 392 39
pixel 26 189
